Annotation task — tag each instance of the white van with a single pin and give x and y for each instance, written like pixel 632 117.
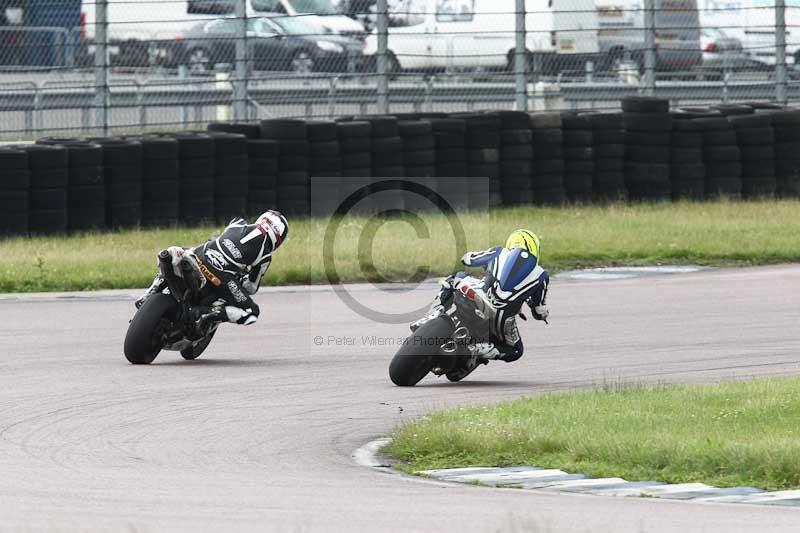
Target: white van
pixel 163 19
pixel 460 34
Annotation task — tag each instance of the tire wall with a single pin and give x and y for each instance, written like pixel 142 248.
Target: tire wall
pixel 646 152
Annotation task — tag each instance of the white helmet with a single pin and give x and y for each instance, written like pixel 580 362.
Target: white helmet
pixel 276 226
pixel 261 238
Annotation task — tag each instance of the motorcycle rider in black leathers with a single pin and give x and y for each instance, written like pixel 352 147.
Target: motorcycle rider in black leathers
pixel 231 266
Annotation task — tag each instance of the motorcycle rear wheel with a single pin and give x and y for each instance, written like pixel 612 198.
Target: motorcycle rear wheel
pixel 142 343
pixel 420 352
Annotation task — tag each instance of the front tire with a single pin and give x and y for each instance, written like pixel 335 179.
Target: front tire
pixel 420 352
pixel 142 342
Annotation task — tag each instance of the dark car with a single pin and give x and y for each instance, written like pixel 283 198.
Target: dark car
pixel 281 43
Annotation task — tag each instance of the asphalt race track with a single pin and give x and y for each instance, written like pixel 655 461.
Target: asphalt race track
pixel 257 434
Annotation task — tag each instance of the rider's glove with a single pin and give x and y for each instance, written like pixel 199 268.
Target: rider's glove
pixel 540 312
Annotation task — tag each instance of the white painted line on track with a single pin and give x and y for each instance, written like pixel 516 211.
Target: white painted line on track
pixel 369 454
pixel 554 480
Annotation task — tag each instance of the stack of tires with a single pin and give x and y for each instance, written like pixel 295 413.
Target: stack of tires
pixel 483 150
pixel 122 167
pixel 452 167
pixel 49 177
pixel 687 171
pixel 293 163
pixel 231 177
pixel 419 162
pixel 608 182
pixel 160 181
pixel 388 162
pixel 86 190
pixel 419 148
pixel 326 165
pixel 251 131
pixel 721 157
pixel 196 181
pixel 786 125
pixel 756 141
pixel 355 143
pixel 262 170
pixel 15 184
pixel 386 147
pixel 326 156
pixel 648 135
pixel 451 147
pixel 548 158
pixel 516 158
pixel 578 157
pixel 732 110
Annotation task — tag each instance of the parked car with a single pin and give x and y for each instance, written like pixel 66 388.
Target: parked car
pixel 723 52
pixel 753 23
pixel 143 36
pixel 677 33
pixel 323 12
pixel 274 43
pixel 468 34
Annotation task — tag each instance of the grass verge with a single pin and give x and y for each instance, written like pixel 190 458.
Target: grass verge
pixel 715 233
pixel 731 434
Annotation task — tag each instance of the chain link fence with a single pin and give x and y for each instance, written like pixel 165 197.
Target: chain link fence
pixel 116 66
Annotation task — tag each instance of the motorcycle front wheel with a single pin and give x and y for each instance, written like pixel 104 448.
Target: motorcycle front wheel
pixel 143 342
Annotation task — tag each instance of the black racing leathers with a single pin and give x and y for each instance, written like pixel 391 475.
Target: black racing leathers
pixel 233 270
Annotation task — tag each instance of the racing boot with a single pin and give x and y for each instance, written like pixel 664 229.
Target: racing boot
pixel 479 354
pixel 436 311
pixel 437 306
pixel 155 287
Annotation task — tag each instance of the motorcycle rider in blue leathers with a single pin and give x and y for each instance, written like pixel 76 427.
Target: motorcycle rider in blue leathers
pixel 511 278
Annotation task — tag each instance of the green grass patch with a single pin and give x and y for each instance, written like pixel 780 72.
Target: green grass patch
pixel 715 233
pixel 726 435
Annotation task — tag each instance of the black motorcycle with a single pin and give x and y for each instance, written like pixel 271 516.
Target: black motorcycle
pixel 179 317
pixel 443 345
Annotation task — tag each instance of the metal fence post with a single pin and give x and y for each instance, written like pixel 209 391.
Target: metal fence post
pixel 240 75
pixel 780 51
pixel 520 57
pixel 101 67
pixel 382 58
pixel 649 47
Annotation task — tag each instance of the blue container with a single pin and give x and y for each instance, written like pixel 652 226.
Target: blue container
pixel 46 48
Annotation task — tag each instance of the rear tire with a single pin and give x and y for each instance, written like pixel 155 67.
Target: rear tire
pixel 419 353
pixel 141 344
